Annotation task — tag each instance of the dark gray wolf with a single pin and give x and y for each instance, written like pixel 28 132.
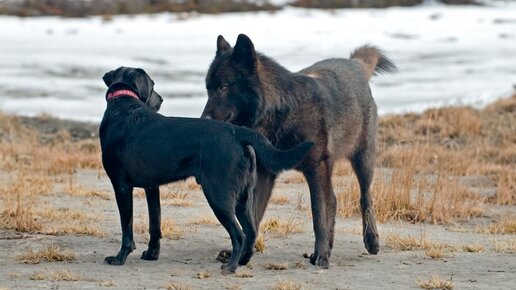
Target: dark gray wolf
pixel 141 148
pixel 329 103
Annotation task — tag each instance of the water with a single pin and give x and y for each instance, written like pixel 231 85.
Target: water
pixel 446 55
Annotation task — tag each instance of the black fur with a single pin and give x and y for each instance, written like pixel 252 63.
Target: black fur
pixel 141 148
pixel 328 103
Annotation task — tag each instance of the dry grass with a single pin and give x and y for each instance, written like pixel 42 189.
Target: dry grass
pixel 504 245
pixel 281 228
pixel 506 225
pixel 55 276
pixel 473 248
pixel 287 285
pixel 177 286
pixel 244 273
pixel 259 245
pixel 203 275
pixel 435 282
pixel 204 219
pixel 169 229
pixel 280 199
pixel 51 253
pixel 276 266
pixel 434 250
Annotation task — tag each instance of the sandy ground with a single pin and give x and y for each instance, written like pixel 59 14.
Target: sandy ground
pixel 181 260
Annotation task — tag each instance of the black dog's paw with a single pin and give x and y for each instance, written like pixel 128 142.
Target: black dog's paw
pixel 115 261
pixel 372 243
pixel 318 260
pixel 150 255
pixel 226 269
pixel 224 256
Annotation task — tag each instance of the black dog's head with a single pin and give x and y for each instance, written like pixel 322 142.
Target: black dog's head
pixel 234 89
pixel 138 81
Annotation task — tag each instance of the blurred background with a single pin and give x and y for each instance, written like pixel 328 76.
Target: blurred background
pixel 53 53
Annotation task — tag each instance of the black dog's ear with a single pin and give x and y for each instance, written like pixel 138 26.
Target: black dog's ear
pixel 108 78
pixel 222 45
pixel 154 101
pixel 244 51
pixel 143 85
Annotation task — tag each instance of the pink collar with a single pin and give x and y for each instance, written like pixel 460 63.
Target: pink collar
pixel 116 94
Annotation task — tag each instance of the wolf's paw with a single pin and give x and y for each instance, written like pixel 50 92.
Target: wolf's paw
pixel 224 256
pixel 371 242
pixel 150 255
pixel 226 269
pixel 322 261
pixel 114 260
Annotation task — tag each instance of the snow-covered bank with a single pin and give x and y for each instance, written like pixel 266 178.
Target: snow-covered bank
pixel 446 55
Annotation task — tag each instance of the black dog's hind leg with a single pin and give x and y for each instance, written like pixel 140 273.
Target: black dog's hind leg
pixel 324 209
pixel 124 201
pixel 223 204
pixel 152 195
pixel 261 196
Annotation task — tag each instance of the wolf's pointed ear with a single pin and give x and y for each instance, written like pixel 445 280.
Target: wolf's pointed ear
pixel 244 51
pixel 222 45
pixel 108 78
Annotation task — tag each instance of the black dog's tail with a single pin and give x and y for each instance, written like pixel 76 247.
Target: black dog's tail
pixel 373 60
pixel 271 157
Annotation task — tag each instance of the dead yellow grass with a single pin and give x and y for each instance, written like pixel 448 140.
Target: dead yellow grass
pixel 281 228
pixel 503 245
pixel 280 199
pixel 203 275
pixel 55 276
pixel 434 250
pixel 276 266
pixel 177 286
pixel 506 225
pixel 169 229
pixel 204 219
pixel 287 285
pixel 244 273
pixel 435 282
pixel 260 246
pixel 51 253
pixel 473 248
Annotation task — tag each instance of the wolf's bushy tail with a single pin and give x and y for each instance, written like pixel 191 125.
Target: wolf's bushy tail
pixel 272 158
pixel 373 60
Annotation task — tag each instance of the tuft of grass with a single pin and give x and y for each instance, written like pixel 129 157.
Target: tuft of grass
pixel 108 283
pixel 287 285
pixel 473 248
pixel 276 266
pixel 56 276
pixel 281 228
pixel 435 282
pixel 169 229
pixel 244 273
pixel 280 199
pixel 433 250
pixel 177 286
pixel 52 253
pixel 203 275
pixel 259 245
pixel 504 245
pixel 204 219
pixel 503 226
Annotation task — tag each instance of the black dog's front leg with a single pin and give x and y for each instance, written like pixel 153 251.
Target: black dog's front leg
pixel 124 200
pixel 153 204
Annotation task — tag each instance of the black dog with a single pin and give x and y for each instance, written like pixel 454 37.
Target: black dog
pixel 329 103
pixel 141 148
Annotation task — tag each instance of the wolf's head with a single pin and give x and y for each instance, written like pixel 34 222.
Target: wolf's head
pixel 234 90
